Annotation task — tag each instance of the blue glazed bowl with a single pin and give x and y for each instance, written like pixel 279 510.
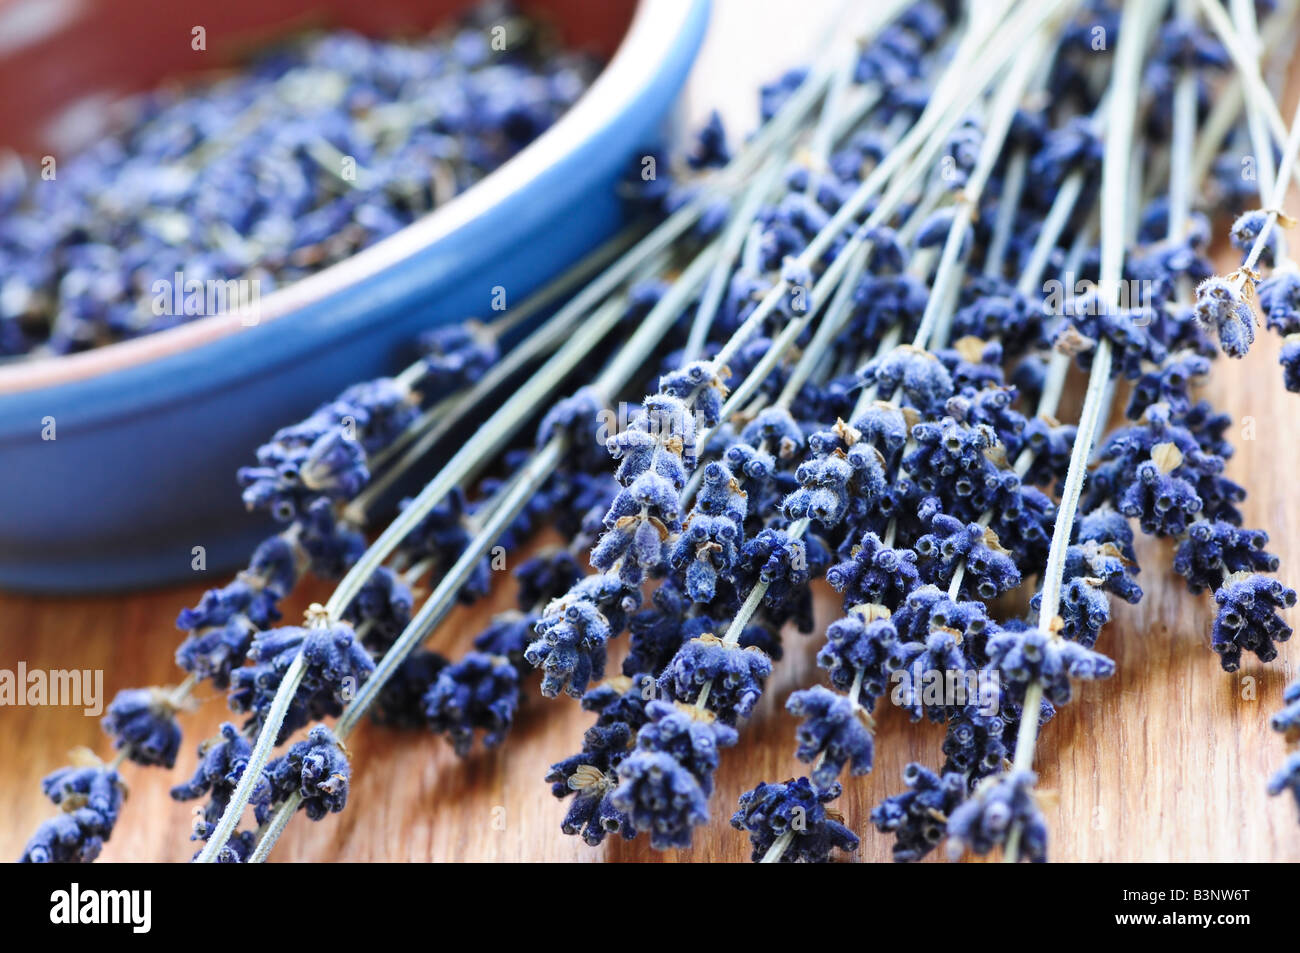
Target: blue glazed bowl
pixel 148 433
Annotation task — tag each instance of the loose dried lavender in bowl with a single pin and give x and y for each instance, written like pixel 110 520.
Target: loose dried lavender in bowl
pixel 266 173
pixel 854 333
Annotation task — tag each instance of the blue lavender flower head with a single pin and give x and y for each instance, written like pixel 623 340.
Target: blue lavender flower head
pixel 883 426
pixel 317 769
pixel 661 797
pixel 480 692
pixel 222 761
pixel 1290 361
pixel 382 609
pixel 457 354
pixel 1074 146
pixel 1170 384
pixel 918 817
pixel 573 631
pixel 1287 721
pixel 1091 318
pixel 143 720
pixel 939 656
pixel 94 786
pixel 824 493
pixel 643 517
pixel 665 783
pixel 590 776
pixel 1248 619
pixel 1214 549
pixel 1246 231
pixel 400 703
pixel 928 608
pixel 331 543
pixel 292 477
pixel 834 730
pixel 782 563
pixel 1162 498
pixel 1051 443
pixel 795 810
pixel 997 805
pixel 735 676
pixel 976 742
pixel 961 152
pixel 696 388
pixel 1222 307
pixel 917 376
pixel 72 837
pixel 990 568
pixel 874 573
pixel 1279 300
pixel 578 418
pixel 546 576
pixel 221 630
pixel 1022 655
pixel 1007 316
pixel 1287 778
pixel 710 148
pixel 859 643
pixel 708 549
pixel 335 663
pixel 776 427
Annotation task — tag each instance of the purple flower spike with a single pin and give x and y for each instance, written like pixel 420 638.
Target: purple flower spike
pixel 797 812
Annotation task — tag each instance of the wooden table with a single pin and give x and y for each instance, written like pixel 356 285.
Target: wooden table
pixel 1166 761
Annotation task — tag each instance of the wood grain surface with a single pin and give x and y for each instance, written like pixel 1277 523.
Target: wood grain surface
pixel 1167 761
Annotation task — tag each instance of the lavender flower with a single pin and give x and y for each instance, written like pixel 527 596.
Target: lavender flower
pixel 479 692
pixel 793 815
pixel 335 663
pixel 918 817
pixel 665 783
pixel 987 818
pixel 834 734
pixel 1247 620
pixel 222 761
pixel 859 647
pixel 733 676
pixel 317 769
pixel 590 776
pixel 1024 655
pixel 1221 306
pixel 143 721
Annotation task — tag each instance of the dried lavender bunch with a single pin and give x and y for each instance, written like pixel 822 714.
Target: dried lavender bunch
pixel 310 152
pixel 444 699
pixel 942 511
pixel 837 478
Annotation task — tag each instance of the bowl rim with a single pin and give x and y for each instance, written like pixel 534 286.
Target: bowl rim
pixel 654 29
